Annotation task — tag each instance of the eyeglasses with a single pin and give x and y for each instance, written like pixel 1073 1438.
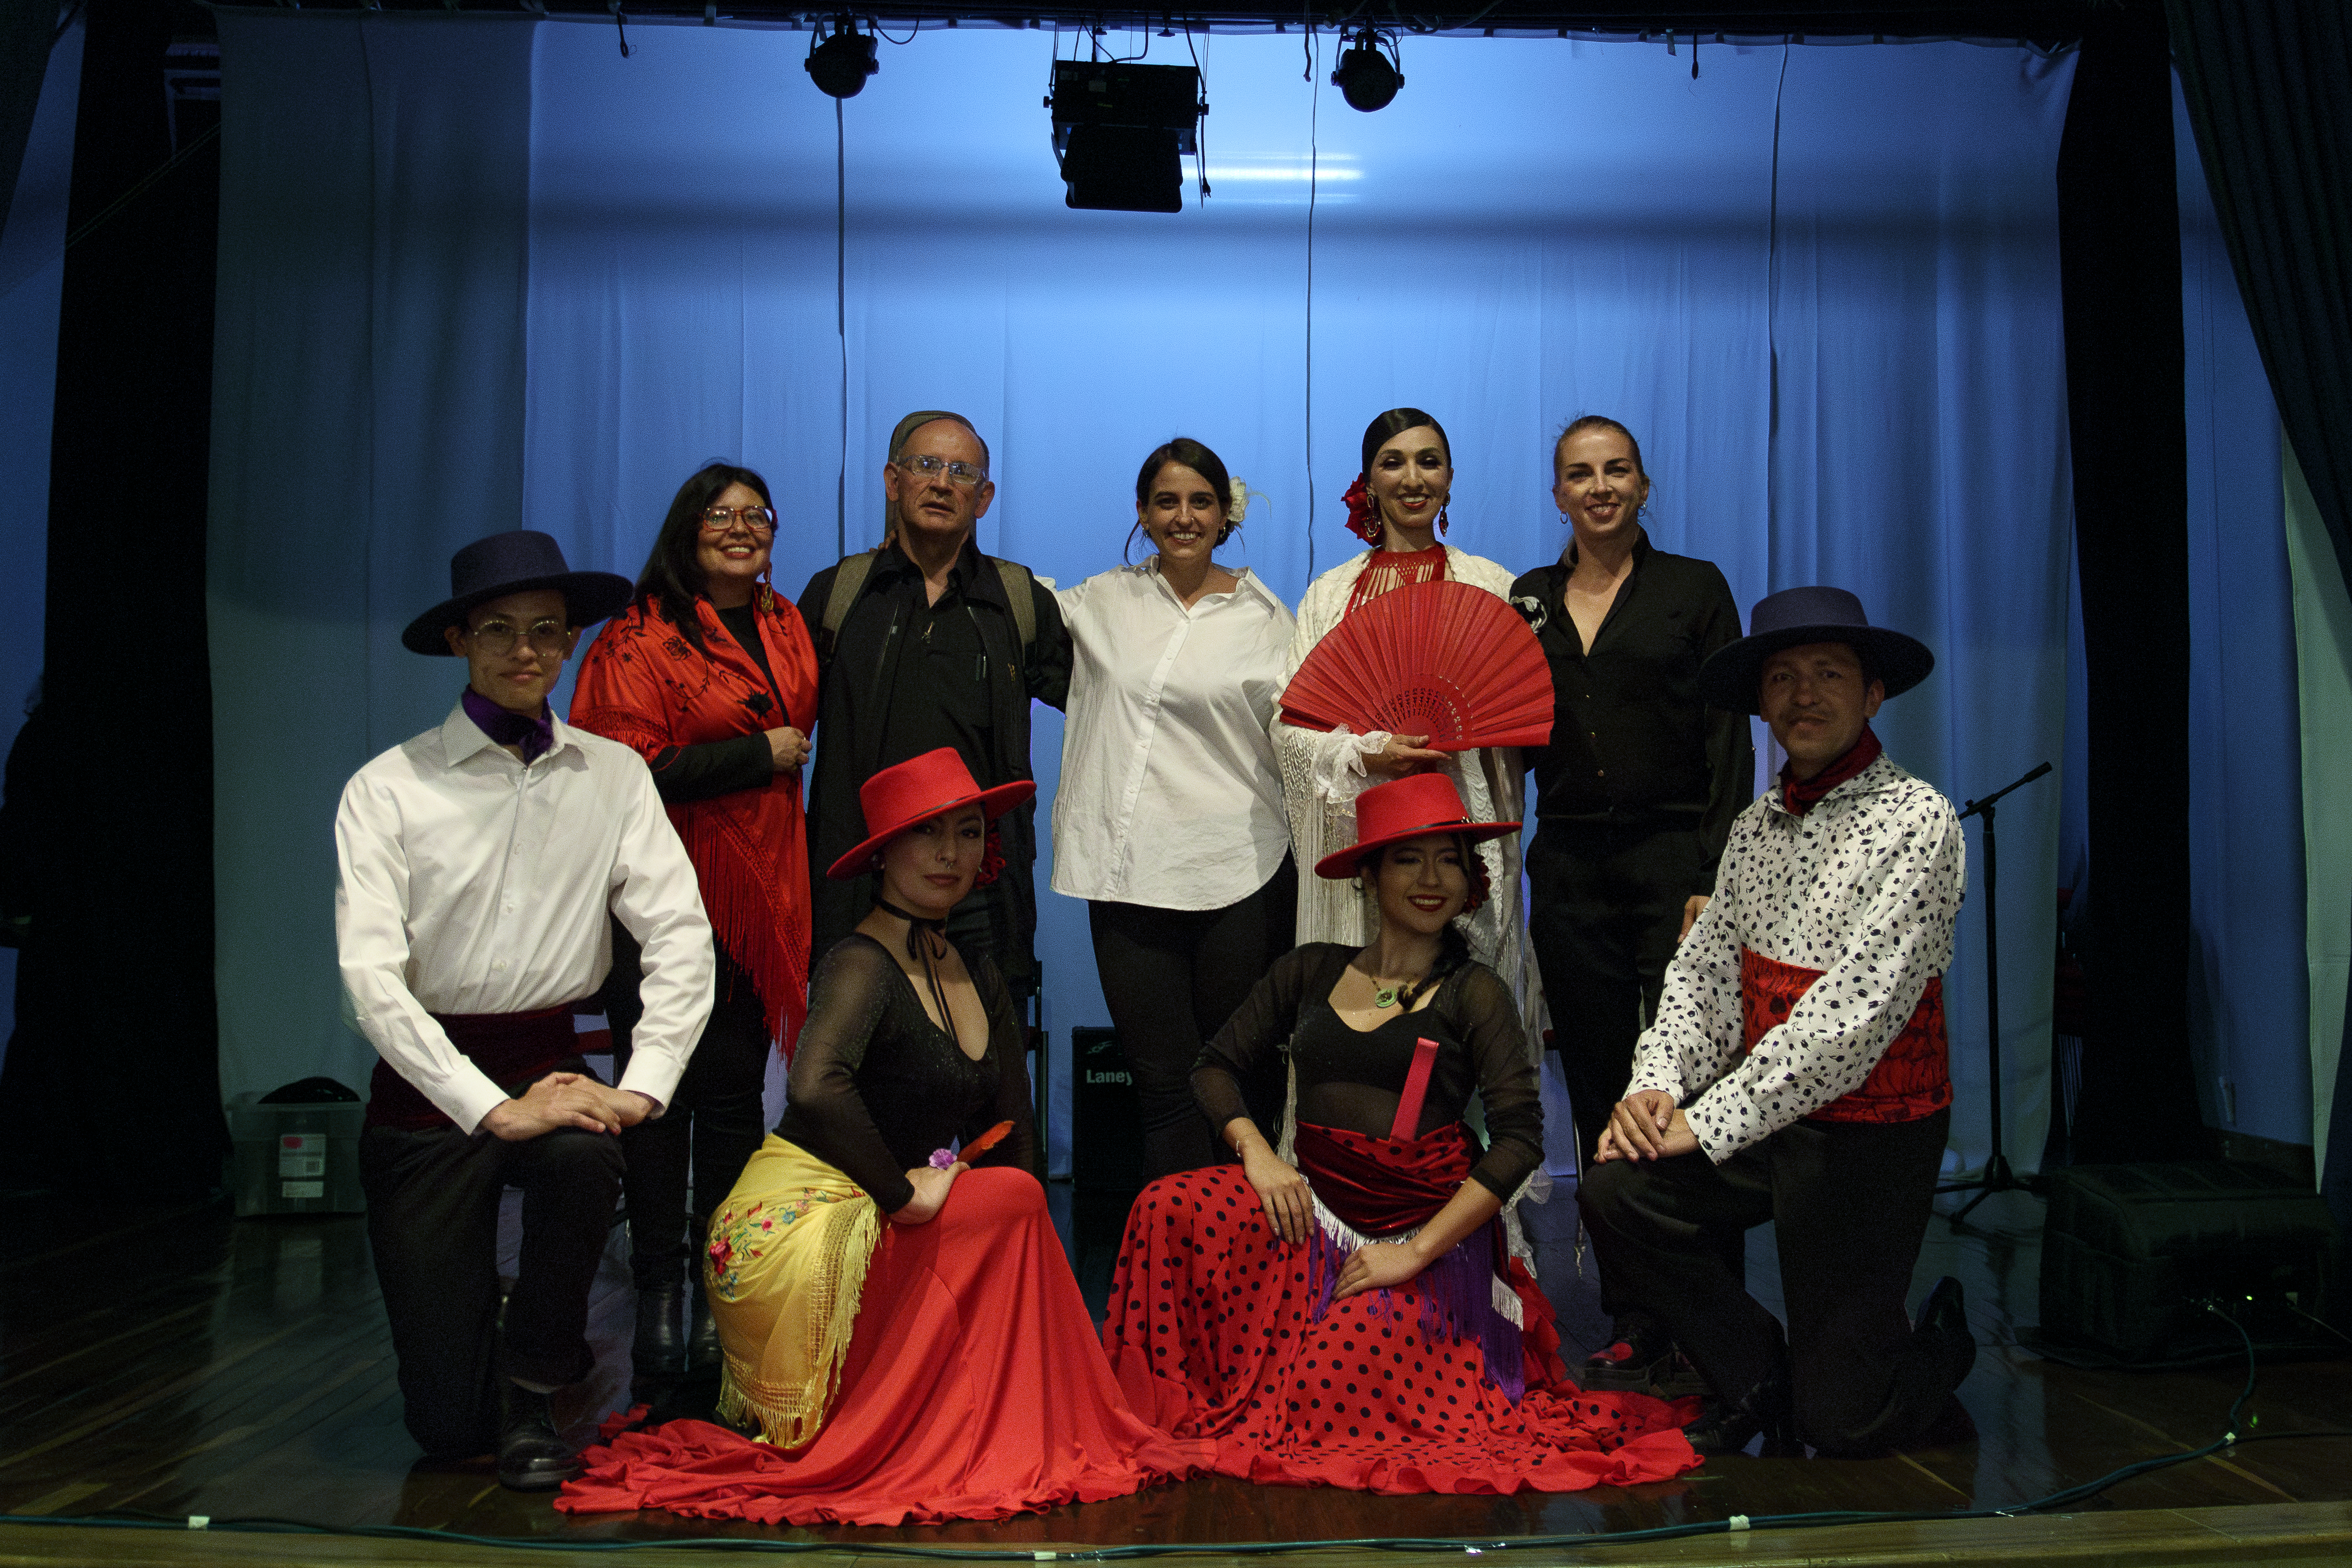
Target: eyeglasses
pixel 931 467
pixel 497 638
pixel 758 519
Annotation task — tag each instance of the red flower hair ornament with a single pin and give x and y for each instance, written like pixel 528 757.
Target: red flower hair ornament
pixel 1363 517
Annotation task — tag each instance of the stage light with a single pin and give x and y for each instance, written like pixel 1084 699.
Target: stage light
pixel 840 65
pixel 1365 76
pixel 1120 131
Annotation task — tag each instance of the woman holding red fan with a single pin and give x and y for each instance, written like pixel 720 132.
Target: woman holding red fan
pixel 899 1321
pixel 1398 507
pixel 1344 1311
pixel 1169 821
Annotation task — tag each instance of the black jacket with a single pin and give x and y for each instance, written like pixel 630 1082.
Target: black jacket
pixel 857 735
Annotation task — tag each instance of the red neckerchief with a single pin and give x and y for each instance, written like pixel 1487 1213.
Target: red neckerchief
pixel 1798 796
pixel 1396 569
pixel 643 685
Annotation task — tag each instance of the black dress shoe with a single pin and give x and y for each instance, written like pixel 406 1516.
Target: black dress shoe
pixel 1943 1321
pixel 1728 1426
pixel 532 1457
pixel 1638 1349
pixel 659 1351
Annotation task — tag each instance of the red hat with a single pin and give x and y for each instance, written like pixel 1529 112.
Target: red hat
pixel 916 790
pixel 1413 807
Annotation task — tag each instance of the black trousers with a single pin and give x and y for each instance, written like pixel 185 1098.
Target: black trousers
pixel 1173 977
pixel 1849 1203
pixel 433 1225
pixel 709 1129
pixel 1605 910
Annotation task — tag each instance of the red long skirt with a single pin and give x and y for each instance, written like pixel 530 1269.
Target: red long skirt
pixel 974 1389
pixel 1208 1333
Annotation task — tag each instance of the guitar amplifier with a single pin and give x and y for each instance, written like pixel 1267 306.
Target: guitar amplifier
pixel 1105 1122
pixel 2131 1255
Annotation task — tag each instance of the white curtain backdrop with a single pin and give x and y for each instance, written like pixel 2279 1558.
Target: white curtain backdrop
pixel 477 274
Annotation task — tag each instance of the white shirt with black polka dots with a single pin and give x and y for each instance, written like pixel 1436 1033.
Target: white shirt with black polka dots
pixel 1866 887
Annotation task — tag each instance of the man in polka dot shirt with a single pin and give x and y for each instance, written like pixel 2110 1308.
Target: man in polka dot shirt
pixel 1797 1071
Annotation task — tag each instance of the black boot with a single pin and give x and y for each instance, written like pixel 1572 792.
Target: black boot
pixel 1727 1426
pixel 703 1355
pixel 658 1350
pixel 532 1457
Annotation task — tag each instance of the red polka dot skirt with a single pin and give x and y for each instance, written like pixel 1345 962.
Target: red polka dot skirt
pixel 1211 1335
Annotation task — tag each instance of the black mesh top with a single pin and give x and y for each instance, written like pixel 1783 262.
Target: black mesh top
pixel 876 1086
pixel 1354 1079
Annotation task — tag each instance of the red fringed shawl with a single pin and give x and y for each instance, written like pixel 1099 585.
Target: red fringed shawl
pixel 645 686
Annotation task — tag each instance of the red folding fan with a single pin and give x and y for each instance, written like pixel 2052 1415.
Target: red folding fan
pixel 1443 658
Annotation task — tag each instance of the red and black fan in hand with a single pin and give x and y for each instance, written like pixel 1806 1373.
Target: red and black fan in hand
pixel 1444 659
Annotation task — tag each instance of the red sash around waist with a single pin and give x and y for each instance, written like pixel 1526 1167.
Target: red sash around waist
pixel 514 1051
pixel 1911 1080
pixel 1382 1186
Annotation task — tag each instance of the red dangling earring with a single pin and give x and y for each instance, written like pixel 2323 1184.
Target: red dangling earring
pixel 1441 520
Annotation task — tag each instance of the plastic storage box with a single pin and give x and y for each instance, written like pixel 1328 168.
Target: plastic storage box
pixel 296 1158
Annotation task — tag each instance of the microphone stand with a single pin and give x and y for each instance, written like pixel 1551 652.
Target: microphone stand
pixel 1998 1177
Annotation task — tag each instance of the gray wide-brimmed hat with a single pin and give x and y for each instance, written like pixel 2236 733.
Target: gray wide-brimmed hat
pixel 1793 618
pixel 514 562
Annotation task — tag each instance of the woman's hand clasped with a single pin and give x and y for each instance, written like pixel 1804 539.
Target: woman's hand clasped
pixel 787 749
pixel 1402 755
pixel 1377 1266
pixel 930 1183
pixel 1289 1203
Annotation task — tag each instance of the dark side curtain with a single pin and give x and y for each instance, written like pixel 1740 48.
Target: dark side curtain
pixel 2269 87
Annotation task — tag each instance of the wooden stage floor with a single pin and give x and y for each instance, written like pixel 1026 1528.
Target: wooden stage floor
pixel 185 1362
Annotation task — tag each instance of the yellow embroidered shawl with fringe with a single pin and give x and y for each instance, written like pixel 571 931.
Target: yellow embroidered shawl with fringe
pixel 785 1266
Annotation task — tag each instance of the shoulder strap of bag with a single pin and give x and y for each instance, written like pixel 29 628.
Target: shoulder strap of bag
pixel 1019 601
pixel 848 579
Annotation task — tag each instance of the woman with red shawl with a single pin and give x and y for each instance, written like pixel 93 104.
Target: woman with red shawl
pixel 710 675
pixel 1345 1310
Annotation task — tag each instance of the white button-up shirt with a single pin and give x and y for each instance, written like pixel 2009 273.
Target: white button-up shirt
pixel 1170 796
pixel 1866 887
pixel 470 883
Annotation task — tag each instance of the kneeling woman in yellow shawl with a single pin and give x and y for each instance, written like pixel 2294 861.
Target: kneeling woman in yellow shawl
pixel 899 1322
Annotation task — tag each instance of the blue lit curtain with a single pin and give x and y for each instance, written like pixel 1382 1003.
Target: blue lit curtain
pixel 475 273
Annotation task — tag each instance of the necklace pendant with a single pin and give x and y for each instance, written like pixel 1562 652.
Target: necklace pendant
pixel 1384 997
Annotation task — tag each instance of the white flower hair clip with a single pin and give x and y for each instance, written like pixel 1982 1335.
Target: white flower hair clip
pixel 1239 499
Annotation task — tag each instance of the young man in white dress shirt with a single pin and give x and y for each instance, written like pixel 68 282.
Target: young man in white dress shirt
pixel 1796 1070
pixel 478 862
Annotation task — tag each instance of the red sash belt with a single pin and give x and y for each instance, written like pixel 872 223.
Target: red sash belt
pixel 1911 1080
pixel 514 1051
pixel 1381 1185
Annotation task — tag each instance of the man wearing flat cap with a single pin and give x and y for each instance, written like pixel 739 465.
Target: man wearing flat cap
pixel 477 864
pixel 924 642
pixel 1796 1070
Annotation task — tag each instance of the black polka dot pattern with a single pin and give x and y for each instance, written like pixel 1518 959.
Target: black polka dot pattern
pixel 1866 887
pixel 1221 1314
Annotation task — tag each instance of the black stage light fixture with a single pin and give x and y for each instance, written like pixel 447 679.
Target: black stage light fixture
pixel 1120 131
pixel 840 65
pixel 1365 76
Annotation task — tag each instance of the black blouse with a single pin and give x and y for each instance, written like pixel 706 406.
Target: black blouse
pixel 876 1086
pixel 1353 1079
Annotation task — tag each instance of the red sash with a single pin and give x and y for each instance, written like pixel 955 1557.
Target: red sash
pixel 1911 1080
pixel 643 685
pixel 1381 1185
pixel 514 1051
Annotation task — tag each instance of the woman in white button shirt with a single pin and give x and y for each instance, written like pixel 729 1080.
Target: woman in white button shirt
pixel 1168 820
